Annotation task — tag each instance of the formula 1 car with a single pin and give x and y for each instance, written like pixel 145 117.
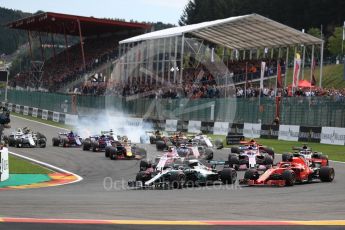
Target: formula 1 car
pixel 99 143
pixel 204 140
pixel 124 151
pixel 26 138
pixel 294 169
pixel 252 143
pixel 152 137
pixel 314 158
pixel 251 155
pixel 200 152
pixel 189 173
pixel 67 140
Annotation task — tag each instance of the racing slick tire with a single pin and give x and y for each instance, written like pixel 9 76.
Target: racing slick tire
pixel 55 141
pixel 87 144
pixel 42 143
pixel 11 141
pixel 233 161
pixel 65 142
pixel 268 160
pixel 177 180
pixel 152 140
pixel 208 154
pixel 326 174
pixel 235 150
pixel 19 143
pixel 94 146
pixel 269 151
pixel 286 157
pixel 251 174
pixel 144 165
pixel 107 151
pixel 143 177
pixel 289 177
pixel 218 143
pixel 228 176
pixel 161 146
pixel 112 153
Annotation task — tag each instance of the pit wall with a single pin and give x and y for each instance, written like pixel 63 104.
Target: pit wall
pixel 324 135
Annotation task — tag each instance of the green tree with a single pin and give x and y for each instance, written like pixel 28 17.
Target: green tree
pixel 335 41
pixel 316 32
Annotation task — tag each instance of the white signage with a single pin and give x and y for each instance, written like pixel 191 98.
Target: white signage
pixel 333 136
pixel 10 106
pixel 45 114
pixel 26 110
pixel 288 132
pixel 194 126
pixel 71 119
pixel 17 108
pixel 171 125
pixel 56 117
pixel 34 112
pixel 221 128
pixel 251 130
pixel 4 164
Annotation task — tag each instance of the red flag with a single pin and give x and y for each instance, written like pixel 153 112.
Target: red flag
pixel 279 76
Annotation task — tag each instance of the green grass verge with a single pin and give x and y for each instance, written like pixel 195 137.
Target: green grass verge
pixel 332 76
pixel 21 166
pixel 335 152
pixel 43 121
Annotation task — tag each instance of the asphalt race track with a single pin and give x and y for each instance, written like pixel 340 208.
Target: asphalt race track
pixel 90 199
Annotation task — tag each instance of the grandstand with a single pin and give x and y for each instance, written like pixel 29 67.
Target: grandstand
pixel 177 55
pixel 98 44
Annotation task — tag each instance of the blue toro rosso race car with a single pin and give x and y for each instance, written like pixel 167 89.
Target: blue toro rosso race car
pixel 98 143
pixel 69 139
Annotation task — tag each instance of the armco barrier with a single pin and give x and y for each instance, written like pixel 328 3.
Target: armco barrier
pixel 326 135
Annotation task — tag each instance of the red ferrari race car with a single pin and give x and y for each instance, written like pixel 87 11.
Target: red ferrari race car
pixel 294 168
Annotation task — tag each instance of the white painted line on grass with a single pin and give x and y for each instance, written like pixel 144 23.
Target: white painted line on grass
pixel 79 178
pixel 39 122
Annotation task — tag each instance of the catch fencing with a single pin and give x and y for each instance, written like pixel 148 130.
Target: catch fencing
pixel 302 111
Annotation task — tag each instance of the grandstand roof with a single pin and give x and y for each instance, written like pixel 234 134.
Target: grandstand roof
pixel 63 23
pixel 242 32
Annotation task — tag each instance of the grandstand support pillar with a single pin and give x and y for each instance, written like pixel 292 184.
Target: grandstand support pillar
pixel 223 54
pixel 42 51
pixel 66 43
pixel 250 54
pixel 81 44
pixel 182 58
pixel 272 53
pixel 303 62
pixel 321 62
pixel 312 63
pixel 244 55
pixel 163 64
pixel 52 38
pixel 30 45
pixel 257 54
pixel 286 66
pixel 175 61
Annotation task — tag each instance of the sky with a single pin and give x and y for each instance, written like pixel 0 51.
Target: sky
pixel 167 11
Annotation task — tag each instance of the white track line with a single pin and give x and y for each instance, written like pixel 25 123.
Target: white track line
pixel 51 167
pixel 39 122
